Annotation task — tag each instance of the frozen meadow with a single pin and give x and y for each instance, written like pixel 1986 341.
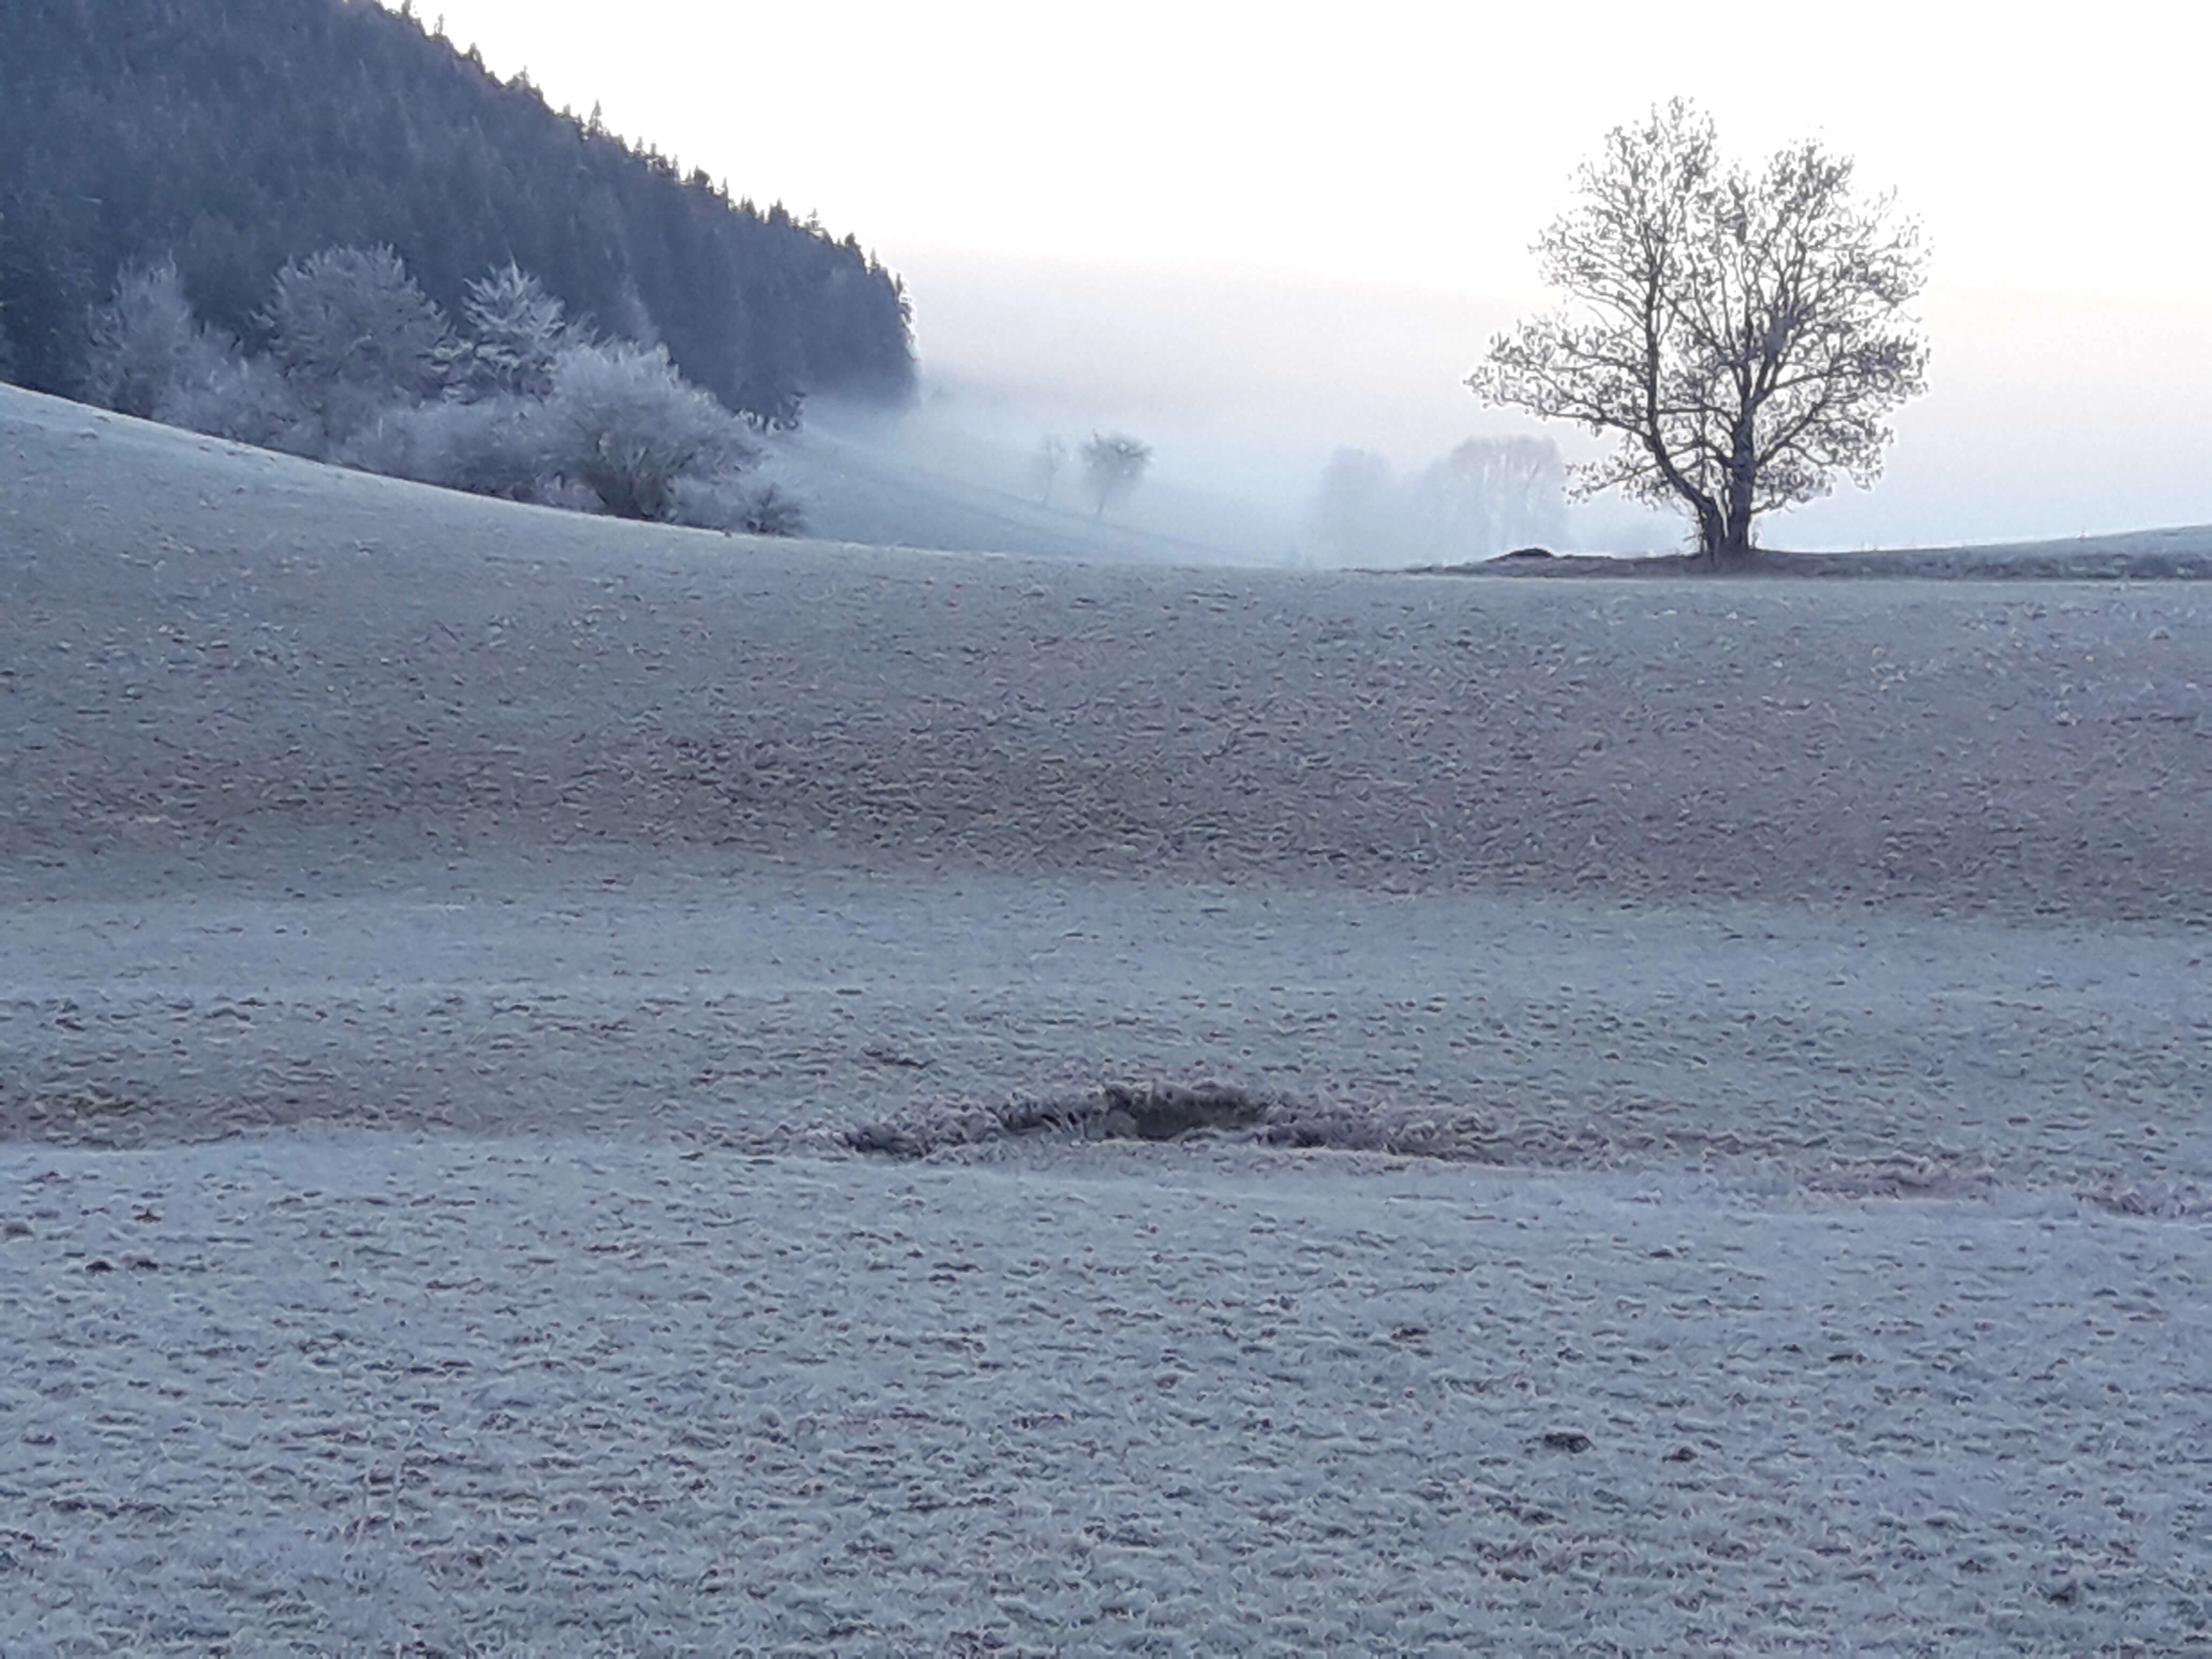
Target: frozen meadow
pixel 443 947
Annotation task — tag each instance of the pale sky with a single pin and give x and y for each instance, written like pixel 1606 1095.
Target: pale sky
pixel 1399 159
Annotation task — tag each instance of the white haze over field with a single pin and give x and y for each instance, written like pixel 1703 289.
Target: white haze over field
pixel 2049 415
pixel 1254 237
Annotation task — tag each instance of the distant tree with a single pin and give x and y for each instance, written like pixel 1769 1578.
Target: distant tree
pixel 515 333
pixel 147 347
pixel 1490 494
pixel 1486 495
pixel 1114 465
pixel 622 424
pixel 1046 462
pixel 1740 333
pixel 355 336
pixel 150 356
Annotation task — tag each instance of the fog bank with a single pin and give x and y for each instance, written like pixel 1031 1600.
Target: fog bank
pixel 2049 414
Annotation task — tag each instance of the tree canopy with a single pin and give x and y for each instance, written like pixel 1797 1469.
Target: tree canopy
pixel 1739 332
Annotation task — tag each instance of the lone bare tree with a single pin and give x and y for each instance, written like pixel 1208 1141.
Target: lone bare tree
pixel 1741 333
pixel 1114 465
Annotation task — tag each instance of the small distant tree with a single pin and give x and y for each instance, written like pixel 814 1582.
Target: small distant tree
pixel 1114 465
pixel 623 422
pixel 515 333
pixel 1047 461
pixel 354 335
pixel 146 345
pixel 1741 334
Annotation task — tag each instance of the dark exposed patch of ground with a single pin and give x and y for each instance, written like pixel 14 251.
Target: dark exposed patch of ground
pixel 1168 1111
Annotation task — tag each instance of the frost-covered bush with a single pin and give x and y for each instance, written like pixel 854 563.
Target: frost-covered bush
pixel 771 510
pixel 245 400
pixel 623 422
pixel 764 508
pixel 355 336
pixel 516 332
pixel 494 445
pixel 536 409
pixel 146 345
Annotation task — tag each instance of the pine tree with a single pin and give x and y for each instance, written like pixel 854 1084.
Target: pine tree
pixel 516 333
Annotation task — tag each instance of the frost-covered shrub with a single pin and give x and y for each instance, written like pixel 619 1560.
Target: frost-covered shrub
pixel 494 445
pixel 516 332
pixel 537 410
pixel 762 509
pixel 355 336
pixel 146 345
pixel 150 356
pixel 245 400
pixel 622 422
pixel 771 510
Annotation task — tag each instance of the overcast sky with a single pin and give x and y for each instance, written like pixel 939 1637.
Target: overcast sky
pixel 1308 220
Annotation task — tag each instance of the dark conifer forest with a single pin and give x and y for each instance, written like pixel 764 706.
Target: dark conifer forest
pixel 236 134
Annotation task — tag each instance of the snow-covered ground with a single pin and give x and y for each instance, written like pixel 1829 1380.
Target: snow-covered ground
pixel 442 944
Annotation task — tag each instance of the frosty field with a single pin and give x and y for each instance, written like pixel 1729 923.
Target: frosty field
pixel 443 945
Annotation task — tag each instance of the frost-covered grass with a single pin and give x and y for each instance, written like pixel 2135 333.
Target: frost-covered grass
pixel 443 945
pixel 360 1394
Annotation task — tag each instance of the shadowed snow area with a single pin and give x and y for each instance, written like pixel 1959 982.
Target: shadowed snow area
pixel 448 952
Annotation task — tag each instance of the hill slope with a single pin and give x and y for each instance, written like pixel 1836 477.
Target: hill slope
pixel 1957 745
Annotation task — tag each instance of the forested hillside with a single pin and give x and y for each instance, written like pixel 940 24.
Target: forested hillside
pixel 234 135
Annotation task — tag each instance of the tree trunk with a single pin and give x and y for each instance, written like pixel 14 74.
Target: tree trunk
pixel 1722 545
pixel 1733 553
pixel 1732 550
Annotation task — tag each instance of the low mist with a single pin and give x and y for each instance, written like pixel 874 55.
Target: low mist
pixel 1287 426
pixel 1309 424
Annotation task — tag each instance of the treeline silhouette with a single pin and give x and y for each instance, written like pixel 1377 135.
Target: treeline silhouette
pixel 232 136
